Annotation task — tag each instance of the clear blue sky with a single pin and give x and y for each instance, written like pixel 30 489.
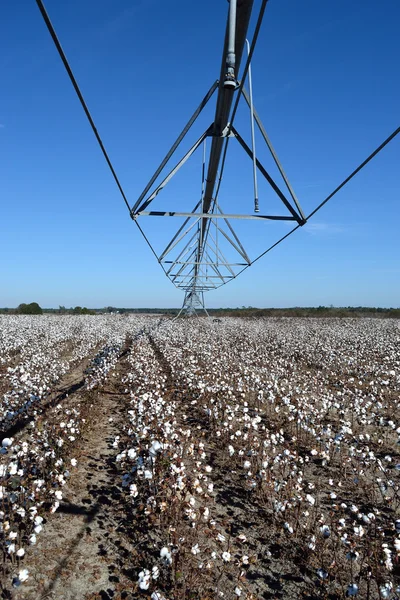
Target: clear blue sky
pixel 325 84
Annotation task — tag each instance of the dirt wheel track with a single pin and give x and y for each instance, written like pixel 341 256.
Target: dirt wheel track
pixel 80 552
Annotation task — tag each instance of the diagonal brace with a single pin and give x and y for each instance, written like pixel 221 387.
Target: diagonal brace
pixel 272 150
pixel 175 145
pixel 299 219
pixel 171 173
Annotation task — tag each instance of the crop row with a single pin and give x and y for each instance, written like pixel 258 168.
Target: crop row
pixel 37 460
pixel 301 418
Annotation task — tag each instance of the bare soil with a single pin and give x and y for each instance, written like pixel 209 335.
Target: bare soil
pixel 78 554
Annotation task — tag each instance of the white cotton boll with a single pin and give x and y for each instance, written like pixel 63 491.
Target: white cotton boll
pixel 55 507
pixel 38 529
pixel 366 519
pixel 58 495
pixel 226 556
pixel 238 591
pixel 133 490
pixel 359 531
pixel 7 442
pixel 310 499
pixel 144 579
pixel 386 590
pixel 352 589
pixel 13 468
pixel 20 553
pixel 132 453
pixel 11 549
pixel 311 544
pixel 322 574
pixel 195 549
pixel 32 539
pixel 148 474
pixel 38 520
pixel 157 596
pixel 326 532
pixel 165 555
pixel 288 528
pixel 155 572
pixel 74 462
pixel 155 447
pixel 22 576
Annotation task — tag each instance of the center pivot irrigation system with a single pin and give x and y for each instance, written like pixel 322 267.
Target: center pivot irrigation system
pixel 194 259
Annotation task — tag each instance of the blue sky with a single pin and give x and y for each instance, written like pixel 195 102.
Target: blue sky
pixel 325 86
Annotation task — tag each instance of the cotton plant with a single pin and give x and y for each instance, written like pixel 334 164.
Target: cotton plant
pixel 303 414
pixel 277 429
pixel 166 474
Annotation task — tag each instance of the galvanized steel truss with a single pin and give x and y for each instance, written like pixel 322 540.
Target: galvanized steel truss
pixel 194 259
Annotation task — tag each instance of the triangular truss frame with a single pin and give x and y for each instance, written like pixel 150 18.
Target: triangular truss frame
pixel 214 268
pixel 194 259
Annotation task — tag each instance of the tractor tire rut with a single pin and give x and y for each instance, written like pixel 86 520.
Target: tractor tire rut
pixel 81 552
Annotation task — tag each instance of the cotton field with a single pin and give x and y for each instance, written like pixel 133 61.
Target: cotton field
pixel 256 458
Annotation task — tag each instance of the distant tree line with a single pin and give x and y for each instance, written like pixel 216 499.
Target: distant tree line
pixel 245 311
pixel 319 311
pixel 78 310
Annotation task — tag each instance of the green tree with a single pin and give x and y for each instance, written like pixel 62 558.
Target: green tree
pixel 29 309
pixel 78 310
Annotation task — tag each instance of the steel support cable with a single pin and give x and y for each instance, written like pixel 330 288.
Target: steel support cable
pixel 151 248
pixel 57 43
pixel 79 94
pixel 357 170
pixel 175 145
pixel 329 197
